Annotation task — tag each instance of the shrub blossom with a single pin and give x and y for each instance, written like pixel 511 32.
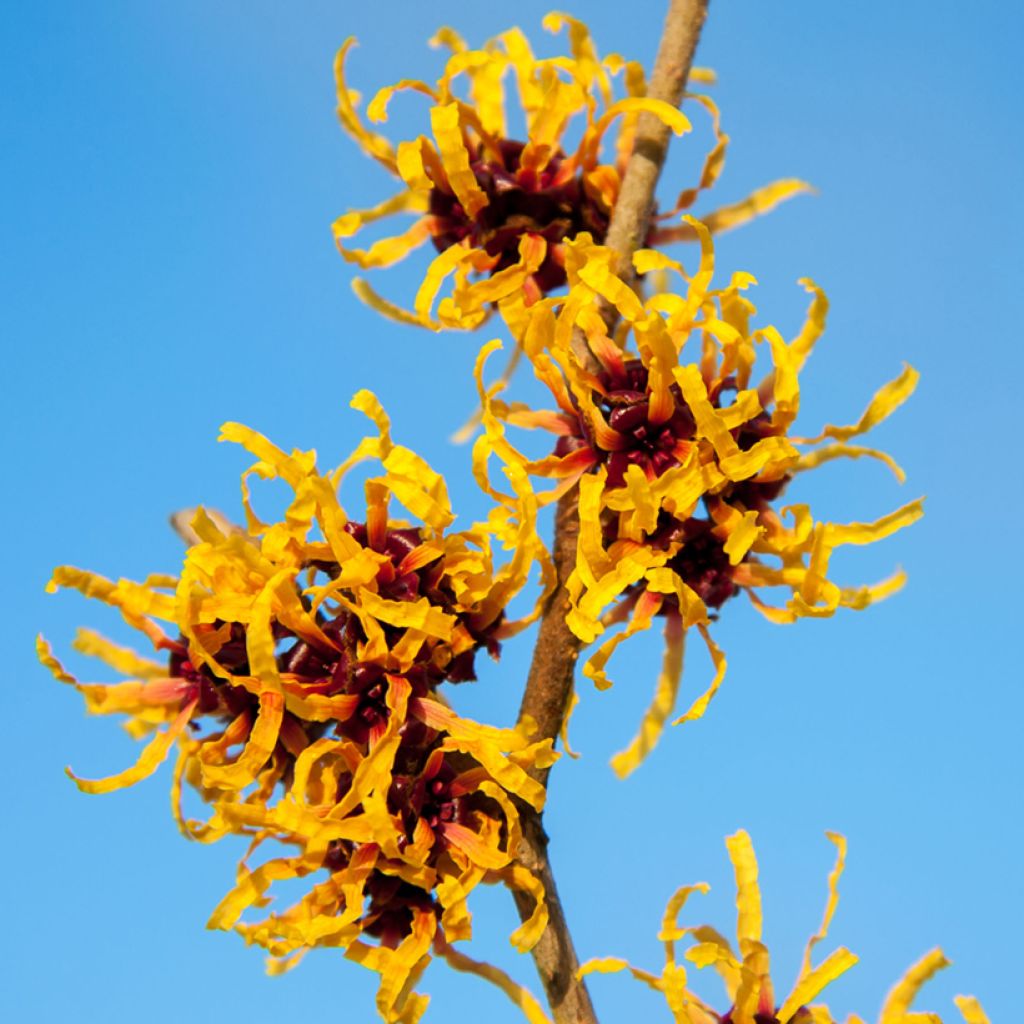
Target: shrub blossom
pixel 500 209
pixel 299 682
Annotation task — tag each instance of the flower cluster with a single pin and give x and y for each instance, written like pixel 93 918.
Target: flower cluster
pixel 300 682
pixel 744 969
pixel 679 454
pixel 499 210
pixel 298 666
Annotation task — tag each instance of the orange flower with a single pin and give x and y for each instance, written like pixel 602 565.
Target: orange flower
pixel 299 683
pixel 744 970
pixel 680 456
pixel 500 210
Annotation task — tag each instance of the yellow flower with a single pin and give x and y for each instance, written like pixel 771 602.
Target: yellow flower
pixel 680 455
pixel 744 969
pixel 499 210
pixel 299 682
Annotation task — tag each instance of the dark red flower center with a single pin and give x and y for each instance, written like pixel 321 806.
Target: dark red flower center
pixel 520 201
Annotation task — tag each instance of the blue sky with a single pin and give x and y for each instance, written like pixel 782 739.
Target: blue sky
pixel 169 179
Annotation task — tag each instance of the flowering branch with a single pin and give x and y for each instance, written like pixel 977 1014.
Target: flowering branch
pixel 549 685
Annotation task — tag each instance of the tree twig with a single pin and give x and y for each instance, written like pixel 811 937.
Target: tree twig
pixel 549 685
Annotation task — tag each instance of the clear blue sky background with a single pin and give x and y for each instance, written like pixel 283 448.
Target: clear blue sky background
pixel 169 175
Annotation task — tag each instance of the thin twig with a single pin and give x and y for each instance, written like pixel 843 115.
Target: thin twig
pixel 549 685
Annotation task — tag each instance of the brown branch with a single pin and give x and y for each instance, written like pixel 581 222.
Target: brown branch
pixel 549 685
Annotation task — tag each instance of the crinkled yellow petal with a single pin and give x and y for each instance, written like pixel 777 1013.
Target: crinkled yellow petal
pixel 614 964
pixel 149 760
pixel 519 995
pixel 422 491
pixel 377 110
pixel 349 223
pixel 419 614
pixel 449 37
pixel 867 533
pixel 742 537
pixel 599 275
pixel 758 202
pixel 971 1010
pixel 713 162
pixel 257 750
pixel 904 992
pixel 123 659
pixel 249 890
pixel 665 694
pixel 44 652
pixel 812 983
pixel 441 266
pixel 387 251
pixel 831 903
pixel 811 460
pixel 670 929
pixel 699 706
pixel 886 400
pixel 583 50
pixel 814 325
pixel 444 121
pixel 647 606
pixel 748 892
pixel 368 295
pixel 500 285
pixel 375 145
pixel 678 122
pixel 528 934
pixel 134 600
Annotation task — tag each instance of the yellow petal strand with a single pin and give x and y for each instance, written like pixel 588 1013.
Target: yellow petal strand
pixel 387 251
pixel 713 162
pixel 528 934
pixel 250 888
pixel 479 852
pixel 614 964
pixel 748 892
pixel 904 992
pixel 370 297
pixel 670 930
pixel 257 750
pixel 700 705
pixel 519 995
pixel 647 606
pixel 831 903
pixel 44 652
pixel 812 983
pixel 814 326
pixel 742 537
pixel 441 266
pixel 375 145
pixel 149 760
pixel 448 37
pixel 661 706
pixel 665 112
pixel 761 201
pixel 377 109
pixel 886 400
pixel 123 659
pixel 811 460
pixel 349 223
pixel 444 120
pixel 867 533
pixel 971 1010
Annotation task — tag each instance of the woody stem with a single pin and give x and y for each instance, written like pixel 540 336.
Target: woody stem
pixel 549 685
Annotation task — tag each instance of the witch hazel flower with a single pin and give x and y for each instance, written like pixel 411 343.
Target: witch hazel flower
pixel 744 969
pixel 681 446
pixel 498 209
pixel 296 669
